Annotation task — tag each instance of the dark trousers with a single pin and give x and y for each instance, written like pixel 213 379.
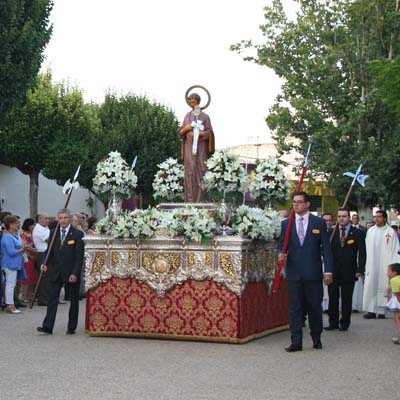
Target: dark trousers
pixel 43 291
pixel 344 291
pixel 55 289
pixel 305 294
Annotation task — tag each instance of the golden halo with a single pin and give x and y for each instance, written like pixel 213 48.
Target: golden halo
pixel 200 87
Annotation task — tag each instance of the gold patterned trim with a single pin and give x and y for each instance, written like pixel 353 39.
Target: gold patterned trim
pixel 230 340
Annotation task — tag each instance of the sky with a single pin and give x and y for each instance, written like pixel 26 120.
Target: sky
pixel 159 48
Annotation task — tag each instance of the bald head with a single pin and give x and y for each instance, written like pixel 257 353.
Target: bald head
pixel 43 219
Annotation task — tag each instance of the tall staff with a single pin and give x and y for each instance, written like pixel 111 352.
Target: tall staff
pixel 357 177
pixel 67 189
pixel 275 286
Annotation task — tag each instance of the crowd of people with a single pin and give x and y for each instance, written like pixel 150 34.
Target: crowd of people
pixel 357 264
pixel 23 249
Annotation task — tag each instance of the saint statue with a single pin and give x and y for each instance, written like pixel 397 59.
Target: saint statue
pixel 198 144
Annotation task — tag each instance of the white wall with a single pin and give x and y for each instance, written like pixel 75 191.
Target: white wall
pixel 14 195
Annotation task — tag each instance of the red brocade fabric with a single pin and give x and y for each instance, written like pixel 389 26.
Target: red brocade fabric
pixel 259 312
pixel 127 306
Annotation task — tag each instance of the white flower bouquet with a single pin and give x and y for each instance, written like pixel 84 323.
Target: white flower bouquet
pixel 192 223
pixel 268 183
pixel 114 175
pixel 225 176
pixel 134 225
pixel 169 180
pixel 256 223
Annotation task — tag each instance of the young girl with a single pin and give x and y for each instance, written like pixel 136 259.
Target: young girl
pixel 393 304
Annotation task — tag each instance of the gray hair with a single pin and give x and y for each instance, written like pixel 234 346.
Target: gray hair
pixel 64 211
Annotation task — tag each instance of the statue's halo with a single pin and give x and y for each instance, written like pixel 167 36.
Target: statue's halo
pixel 200 87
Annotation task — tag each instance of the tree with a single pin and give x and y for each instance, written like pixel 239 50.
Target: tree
pixel 135 126
pixel 324 58
pixel 24 33
pixel 51 133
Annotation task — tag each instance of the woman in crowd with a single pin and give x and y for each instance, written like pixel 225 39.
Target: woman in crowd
pixel 91 225
pixel 28 285
pixel 12 250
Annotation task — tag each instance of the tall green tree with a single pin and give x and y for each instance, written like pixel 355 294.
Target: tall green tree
pixel 324 58
pixel 24 33
pixel 136 126
pixel 51 133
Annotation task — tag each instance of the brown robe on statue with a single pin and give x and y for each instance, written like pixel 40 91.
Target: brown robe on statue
pixel 195 165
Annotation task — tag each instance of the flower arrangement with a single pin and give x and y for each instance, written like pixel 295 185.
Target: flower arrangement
pixel 169 180
pixel 225 177
pixel 192 223
pixel 269 183
pixel 134 225
pixel 256 223
pixel 114 175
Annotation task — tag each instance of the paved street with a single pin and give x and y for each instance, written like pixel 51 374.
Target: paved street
pixel 358 364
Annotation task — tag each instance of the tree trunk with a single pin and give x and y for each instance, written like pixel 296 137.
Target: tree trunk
pixel 33 193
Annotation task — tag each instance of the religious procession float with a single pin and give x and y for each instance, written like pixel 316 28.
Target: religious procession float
pixel 192 270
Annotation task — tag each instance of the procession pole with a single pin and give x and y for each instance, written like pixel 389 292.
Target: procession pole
pixel 68 188
pixel 281 263
pixel 357 177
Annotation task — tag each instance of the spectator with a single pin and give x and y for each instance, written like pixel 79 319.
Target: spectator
pixel 92 221
pixel 12 250
pixel 28 285
pixel 40 237
pixel 393 304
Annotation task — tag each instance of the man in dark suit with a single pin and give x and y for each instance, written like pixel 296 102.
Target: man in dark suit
pixel 64 269
pixel 355 220
pixel 304 273
pixel 348 248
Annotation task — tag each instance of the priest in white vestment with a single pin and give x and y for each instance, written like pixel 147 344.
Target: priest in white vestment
pixel 382 247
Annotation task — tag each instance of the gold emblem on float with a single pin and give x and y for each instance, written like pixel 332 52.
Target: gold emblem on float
pixel 161 266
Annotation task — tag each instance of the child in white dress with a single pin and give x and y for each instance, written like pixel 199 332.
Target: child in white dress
pixel 393 304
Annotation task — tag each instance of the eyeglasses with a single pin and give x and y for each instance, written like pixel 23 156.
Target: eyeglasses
pixel 298 202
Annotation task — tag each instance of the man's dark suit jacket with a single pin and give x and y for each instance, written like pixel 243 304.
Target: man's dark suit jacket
pixel 350 259
pixel 304 262
pixel 66 259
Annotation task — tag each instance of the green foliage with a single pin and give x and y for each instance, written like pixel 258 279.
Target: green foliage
pixel 324 58
pixel 51 133
pixel 386 73
pixel 135 126
pixel 24 33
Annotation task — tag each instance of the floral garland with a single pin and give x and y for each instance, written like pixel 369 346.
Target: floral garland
pixel 269 183
pixel 114 175
pixel 225 176
pixel 191 223
pixel 168 181
pixel 256 223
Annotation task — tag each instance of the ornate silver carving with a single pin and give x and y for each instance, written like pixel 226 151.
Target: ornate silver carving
pixel 163 262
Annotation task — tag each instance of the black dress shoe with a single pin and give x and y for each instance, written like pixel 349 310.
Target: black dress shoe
pixel 70 332
pixel 381 316
pixel 44 330
pixel 317 344
pixel 343 328
pixel 331 327
pixel 356 311
pixel 369 315
pixel 294 347
pixel 42 303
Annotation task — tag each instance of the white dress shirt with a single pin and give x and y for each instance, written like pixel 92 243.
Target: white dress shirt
pixel 40 235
